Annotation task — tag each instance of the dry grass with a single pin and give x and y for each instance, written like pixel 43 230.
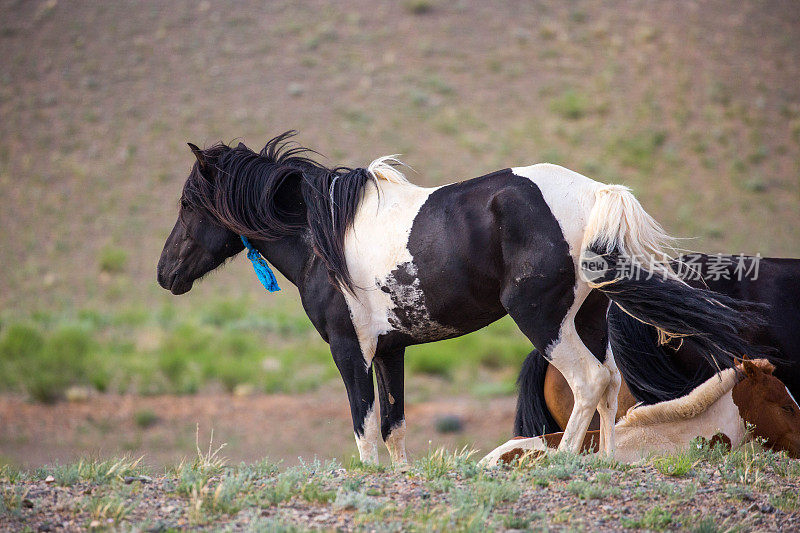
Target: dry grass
pixel 442 491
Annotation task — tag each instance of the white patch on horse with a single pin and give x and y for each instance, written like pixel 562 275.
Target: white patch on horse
pixel 368 442
pixel 396 443
pixel 410 313
pixel 375 247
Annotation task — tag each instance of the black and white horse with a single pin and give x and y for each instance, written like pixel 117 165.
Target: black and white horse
pixel 382 264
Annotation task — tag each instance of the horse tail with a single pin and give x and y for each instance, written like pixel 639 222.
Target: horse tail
pixel 625 255
pixel 649 368
pixel 533 418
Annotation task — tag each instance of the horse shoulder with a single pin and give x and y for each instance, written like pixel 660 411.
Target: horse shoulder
pixel 378 258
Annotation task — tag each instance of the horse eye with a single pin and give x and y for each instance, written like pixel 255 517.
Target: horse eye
pixel 787 408
pixel 184 203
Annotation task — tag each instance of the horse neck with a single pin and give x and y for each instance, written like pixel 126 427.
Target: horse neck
pixel 289 255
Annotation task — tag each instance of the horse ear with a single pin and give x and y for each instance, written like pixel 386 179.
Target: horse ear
pixel 750 368
pixel 241 146
pixel 198 153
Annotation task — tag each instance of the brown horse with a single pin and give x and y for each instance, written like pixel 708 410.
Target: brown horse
pixel 717 410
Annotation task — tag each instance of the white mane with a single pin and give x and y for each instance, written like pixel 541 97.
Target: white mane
pixel 685 407
pixel 385 168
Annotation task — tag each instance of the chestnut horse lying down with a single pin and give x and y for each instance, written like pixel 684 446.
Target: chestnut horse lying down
pixel 716 410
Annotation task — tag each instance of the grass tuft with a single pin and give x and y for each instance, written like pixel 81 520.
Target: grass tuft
pixel 678 465
pixel 440 462
pixel 570 105
pixel 93 471
pixel 112 260
pixel 587 490
pixel 655 519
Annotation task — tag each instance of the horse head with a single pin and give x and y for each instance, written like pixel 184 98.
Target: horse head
pixel 198 243
pixel 765 402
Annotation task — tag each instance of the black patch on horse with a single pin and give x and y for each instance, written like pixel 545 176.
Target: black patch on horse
pixel 497 213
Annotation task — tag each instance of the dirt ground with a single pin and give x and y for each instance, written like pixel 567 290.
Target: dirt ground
pixel 746 490
pixel 280 427
pixel 439 493
pixel 694 104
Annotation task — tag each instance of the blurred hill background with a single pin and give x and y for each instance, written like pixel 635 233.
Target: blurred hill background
pixel 695 105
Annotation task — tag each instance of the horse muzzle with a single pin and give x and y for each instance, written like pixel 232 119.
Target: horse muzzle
pixel 173 281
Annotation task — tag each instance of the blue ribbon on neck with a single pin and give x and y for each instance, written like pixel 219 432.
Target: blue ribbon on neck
pixel 260 265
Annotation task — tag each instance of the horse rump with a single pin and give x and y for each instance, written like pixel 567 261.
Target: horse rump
pixel 624 255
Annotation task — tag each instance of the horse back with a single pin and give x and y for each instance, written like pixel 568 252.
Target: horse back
pixel 431 263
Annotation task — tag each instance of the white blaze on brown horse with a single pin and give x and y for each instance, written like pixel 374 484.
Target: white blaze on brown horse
pixel 718 410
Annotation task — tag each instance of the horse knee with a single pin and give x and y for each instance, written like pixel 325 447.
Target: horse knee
pixel 596 383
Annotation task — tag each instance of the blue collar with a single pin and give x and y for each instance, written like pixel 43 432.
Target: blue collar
pixel 260 265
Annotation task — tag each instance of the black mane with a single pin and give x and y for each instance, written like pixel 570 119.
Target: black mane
pixel 331 203
pixel 277 193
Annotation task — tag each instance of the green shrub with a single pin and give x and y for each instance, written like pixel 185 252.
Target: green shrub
pixel 113 260
pixel 20 342
pixel 145 418
pixel 63 361
pixel 418 7
pixel 570 105
pixel 281 488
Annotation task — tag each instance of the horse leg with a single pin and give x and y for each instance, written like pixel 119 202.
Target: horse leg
pixel 389 374
pixel 545 312
pixel 357 377
pixel 587 377
pixel 592 326
pixel 608 405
